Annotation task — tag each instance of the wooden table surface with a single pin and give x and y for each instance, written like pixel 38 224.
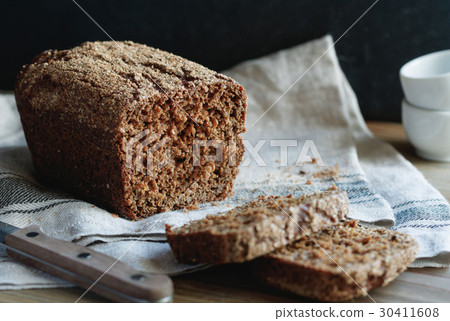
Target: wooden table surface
pixel 231 284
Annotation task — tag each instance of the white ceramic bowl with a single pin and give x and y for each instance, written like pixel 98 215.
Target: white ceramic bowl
pixel 428 131
pixel 426 81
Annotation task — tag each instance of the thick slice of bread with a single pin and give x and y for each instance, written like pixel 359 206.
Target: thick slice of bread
pixel 338 263
pixel 256 228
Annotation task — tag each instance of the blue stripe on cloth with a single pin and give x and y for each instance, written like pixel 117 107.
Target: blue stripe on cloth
pixel 20 190
pixel 418 201
pixel 354 202
pixel 436 212
pixel 356 192
pixel 351 175
pixel 421 226
pixel 39 209
pixel 353 183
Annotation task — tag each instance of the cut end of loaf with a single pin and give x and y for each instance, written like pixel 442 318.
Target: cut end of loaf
pixel 183 151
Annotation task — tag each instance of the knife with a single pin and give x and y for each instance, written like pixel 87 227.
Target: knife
pixel 84 267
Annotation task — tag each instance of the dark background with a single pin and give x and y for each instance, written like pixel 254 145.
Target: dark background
pixel 219 34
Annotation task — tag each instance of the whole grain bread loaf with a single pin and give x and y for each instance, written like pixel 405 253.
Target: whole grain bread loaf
pixel 338 263
pixel 116 123
pixel 255 228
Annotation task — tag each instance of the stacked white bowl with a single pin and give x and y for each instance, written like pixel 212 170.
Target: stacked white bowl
pixel 426 106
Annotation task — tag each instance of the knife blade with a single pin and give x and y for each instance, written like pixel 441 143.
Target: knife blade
pixel 84 267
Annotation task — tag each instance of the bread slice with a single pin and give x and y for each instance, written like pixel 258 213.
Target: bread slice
pixel 256 228
pixel 338 263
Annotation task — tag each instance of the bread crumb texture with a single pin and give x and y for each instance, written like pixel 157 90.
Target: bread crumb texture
pixel 339 262
pixel 255 228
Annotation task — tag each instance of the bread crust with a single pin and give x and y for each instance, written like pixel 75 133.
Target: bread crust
pixel 367 258
pixel 81 107
pixel 255 228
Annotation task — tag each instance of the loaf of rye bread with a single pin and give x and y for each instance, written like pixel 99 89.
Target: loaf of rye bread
pixel 338 263
pixel 116 123
pixel 255 228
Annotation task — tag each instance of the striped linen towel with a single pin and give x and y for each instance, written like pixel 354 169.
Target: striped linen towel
pixel 312 137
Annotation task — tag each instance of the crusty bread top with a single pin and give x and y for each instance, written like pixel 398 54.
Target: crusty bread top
pixel 98 83
pixel 265 208
pixel 123 64
pixel 351 246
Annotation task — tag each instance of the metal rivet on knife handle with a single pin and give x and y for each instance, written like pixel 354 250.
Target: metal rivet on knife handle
pixel 85 255
pixel 138 277
pixel 32 234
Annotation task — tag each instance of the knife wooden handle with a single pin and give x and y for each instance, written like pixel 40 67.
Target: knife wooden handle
pixel 86 268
